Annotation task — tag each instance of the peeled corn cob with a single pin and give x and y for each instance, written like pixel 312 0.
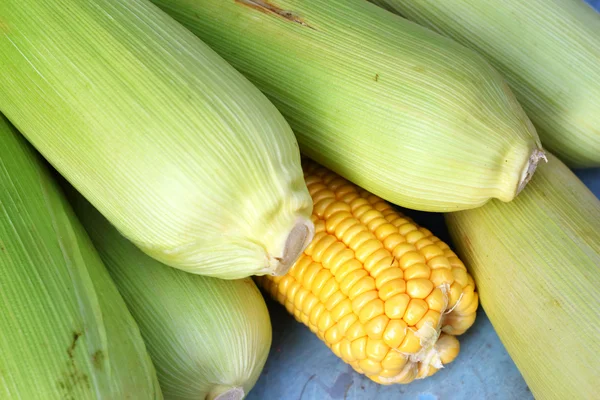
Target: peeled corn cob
pixel 384 294
pixel 401 111
pixel 549 52
pixel 536 262
pixel 65 332
pixel 176 148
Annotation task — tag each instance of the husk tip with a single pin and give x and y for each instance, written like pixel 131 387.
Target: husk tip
pixel 527 173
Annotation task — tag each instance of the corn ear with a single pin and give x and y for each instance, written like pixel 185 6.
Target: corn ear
pixel 403 112
pixel 549 52
pixel 175 147
pixel 536 262
pixel 65 333
pixel 207 337
pixel 384 294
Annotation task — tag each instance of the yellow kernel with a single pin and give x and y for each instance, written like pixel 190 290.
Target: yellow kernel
pixel 332 253
pixel 409 259
pixel 304 319
pixel 460 276
pixel 431 251
pixel 448 348
pixel 289 306
pixel 332 335
pixel 336 349
pixel 347 268
pixel 300 297
pixel 359 348
pixel 415 311
pixel 352 279
pixel 361 301
pixel 316 312
pixel 376 349
pixel 343 308
pixel 325 322
pixel 329 288
pixel 441 276
pixel 370 367
pixel 309 303
pixel 394 333
pixel 334 300
pixel 406 229
pixel 367 248
pixel 454 295
pixel 392 288
pixel 432 317
pixel 439 262
pixel 375 259
pixel 320 205
pixel 371 216
pixel 468 304
pixel 395 307
pixel 417 271
pixel 457 324
pixel 361 239
pixel 402 249
pixel 310 273
pixel 414 236
pixel 393 240
pixel 345 323
pixel 383 265
pixel 298 269
pixel 322 245
pixel 388 275
pixel 423 243
pixel 320 280
pixel 385 230
pixel 335 207
pixel 284 284
pixel 376 326
pixel 319 225
pixel 411 343
pixel 346 351
pixel 455 262
pixel 437 300
pixel 394 361
pixel 389 373
pixel 356 330
pixel 366 284
pixel 339 223
pixel 373 309
pixel 419 288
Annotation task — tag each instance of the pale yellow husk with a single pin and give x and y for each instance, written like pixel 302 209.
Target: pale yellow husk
pixel 209 338
pixel 536 263
pixel 174 146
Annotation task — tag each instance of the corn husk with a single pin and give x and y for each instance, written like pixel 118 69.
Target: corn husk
pixel 549 52
pixel 176 148
pixel 209 338
pixel 404 113
pixel 536 263
pixel 65 333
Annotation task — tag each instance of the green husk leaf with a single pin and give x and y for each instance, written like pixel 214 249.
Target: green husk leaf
pixel 536 263
pixel 65 333
pixel 209 338
pixel 549 52
pixel 403 112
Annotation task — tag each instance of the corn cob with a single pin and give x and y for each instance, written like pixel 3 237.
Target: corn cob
pixel 397 109
pixel 209 338
pixel 384 294
pixel 65 333
pixel 536 262
pixel 549 52
pixel 176 148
